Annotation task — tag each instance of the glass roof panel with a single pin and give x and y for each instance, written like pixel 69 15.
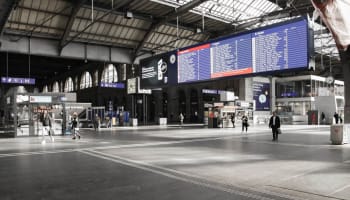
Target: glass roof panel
pixel 324 42
pixel 237 12
pixel 228 11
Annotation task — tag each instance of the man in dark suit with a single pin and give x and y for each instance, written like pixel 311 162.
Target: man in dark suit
pixel 274 124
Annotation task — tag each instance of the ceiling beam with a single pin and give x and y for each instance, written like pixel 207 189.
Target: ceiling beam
pixel 6 7
pixel 279 14
pixel 76 6
pixel 115 7
pixel 169 16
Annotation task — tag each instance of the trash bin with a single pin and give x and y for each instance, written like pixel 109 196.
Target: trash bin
pixel 134 121
pixel 163 121
pixel 339 134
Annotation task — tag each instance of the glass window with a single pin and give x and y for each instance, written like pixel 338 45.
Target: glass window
pixel 294 89
pixel 76 83
pixel 340 103
pixel 123 77
pixel 69 85
pixel 56 87
pixel 306 88
pixel 338 90
pixel 86 80
pixel 45 89
pixel 96 78
pixel 109 74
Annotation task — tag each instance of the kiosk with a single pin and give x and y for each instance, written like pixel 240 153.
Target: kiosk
pixel 22 112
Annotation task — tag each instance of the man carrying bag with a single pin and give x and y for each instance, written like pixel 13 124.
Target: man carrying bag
pixel 275 125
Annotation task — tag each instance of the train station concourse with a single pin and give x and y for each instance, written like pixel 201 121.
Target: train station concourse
pixel 174 99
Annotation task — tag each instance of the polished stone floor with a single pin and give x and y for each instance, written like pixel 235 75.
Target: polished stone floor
pixel 171 162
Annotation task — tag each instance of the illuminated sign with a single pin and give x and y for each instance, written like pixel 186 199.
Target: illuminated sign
pixel 155 71
pixel 261 96
pixel 22 98
pixel 278 47
pixel 112 85
pixel 40 99
pixel 16 80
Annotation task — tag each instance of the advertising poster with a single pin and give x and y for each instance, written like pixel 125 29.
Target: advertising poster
pixel 155 70
pixel 261 96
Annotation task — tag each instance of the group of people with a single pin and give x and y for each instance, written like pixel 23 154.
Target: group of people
pixel 337 118
pixel 47 129
pixel 274 124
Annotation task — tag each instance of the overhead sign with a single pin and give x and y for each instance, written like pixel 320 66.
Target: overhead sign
pixel 16 80
pixel 112 85
pixel 279 47
pixel 40 99
pixel 209 91
pixel 227 96
pixel 22 98
pixel 155 71
pixel 145 91
pixel 261 96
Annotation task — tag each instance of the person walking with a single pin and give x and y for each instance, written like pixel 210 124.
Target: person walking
pixel 181 117
pixel 336 117
pixel 97 122
pixel 275 125
pixel 323 118
pixel 233 120
pixel 245 123
pixel 47 125
pixel 75 124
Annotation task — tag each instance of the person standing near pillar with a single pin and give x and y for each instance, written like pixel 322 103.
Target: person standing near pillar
pixel 336 117
pixel 323 118
pixel 275 124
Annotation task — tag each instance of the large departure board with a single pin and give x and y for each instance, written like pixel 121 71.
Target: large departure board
pixel 274 48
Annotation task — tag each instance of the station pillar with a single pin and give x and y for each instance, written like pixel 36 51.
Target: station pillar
pixel 345 60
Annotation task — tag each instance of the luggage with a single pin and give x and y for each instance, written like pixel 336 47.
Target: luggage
pixel 279 131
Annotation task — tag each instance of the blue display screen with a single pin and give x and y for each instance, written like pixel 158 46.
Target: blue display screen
pixel 112 85
pixel 16 80
pixel 274 48
pixel 261 95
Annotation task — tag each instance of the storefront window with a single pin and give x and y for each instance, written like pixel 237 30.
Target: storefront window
pixel 306 88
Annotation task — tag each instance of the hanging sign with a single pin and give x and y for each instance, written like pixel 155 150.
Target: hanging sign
pixel 16 80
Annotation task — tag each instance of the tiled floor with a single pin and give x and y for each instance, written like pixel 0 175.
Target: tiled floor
pixel 191 162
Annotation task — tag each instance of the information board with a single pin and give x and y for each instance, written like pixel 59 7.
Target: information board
pixel 274 48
